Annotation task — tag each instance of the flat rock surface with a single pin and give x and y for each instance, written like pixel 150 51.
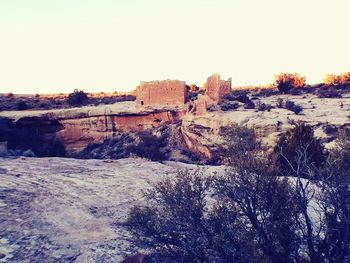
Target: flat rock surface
pixel 68 210
pixel 118 108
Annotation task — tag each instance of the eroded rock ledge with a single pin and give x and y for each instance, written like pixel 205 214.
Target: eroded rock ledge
pixel 79 126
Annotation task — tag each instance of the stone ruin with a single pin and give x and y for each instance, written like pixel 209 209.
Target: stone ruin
pixel 175 93
pixel 161 93
pixel 217 88
pixel 215 92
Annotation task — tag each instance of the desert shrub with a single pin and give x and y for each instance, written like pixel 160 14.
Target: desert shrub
pixel 228 105
pixel 10 95
pixel 292 106
pixel 332 79
pixel 249 105
pixel 267 92
pixel 263 107
pixel 297 147
pixel 328 92
pixel 179 224
pixel 330 129
pixel 175 222
pixel 238 142
pixel 280 103
pixel 150 146
pixel 249 213
pixel 21 105
pixel 237 95
pixel 296 91
pixel 286 81
pixel 192 156
pixel 78 97
pixel 116 147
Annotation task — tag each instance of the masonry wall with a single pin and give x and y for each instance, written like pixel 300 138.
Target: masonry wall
pixel 161 93
pixel 217 88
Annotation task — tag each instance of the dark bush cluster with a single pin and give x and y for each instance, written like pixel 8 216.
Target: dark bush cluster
pixel 237 95
pixel 328 92
pixel 229 105
pixel 77 98
pixel 296 142
pixel 31 140
pixel 289 105
pixel 287 81
pixel 42 102
pixel 263 106
pixel 142 144
pixel 266 92
pixel 150 146
pixel 116 147
pixel 291 206
pixel 292 106
pixel 249 105
pixel 231 99
pixel 21 105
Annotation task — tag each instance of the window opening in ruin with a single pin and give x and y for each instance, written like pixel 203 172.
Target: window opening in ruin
pixel 141 102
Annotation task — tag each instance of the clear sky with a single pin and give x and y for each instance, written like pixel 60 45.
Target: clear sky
pixel 52 46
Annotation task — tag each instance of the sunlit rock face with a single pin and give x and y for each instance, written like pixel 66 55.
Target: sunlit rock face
pixel 68 210
pixel 78 127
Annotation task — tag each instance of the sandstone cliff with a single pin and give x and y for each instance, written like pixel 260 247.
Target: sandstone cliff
pixel 79 126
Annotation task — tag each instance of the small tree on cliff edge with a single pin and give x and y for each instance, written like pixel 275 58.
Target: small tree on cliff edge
pixel 78 97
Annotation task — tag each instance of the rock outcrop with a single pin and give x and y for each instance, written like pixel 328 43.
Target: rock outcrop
pixel 69 210
pixel 77 127
pixel 201 132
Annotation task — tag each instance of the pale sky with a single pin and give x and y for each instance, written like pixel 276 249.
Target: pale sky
pixel 52 46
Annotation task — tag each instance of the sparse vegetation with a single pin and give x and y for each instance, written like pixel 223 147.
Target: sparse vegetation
pixel 292 106
pixel 328 92
pixel 280 103
pixel 111 148
pixel 77 98
pixel 261 210
pixel 149 146
pixel 237 95
pixel 59 101
pixel 9 95
pixel 287 81
pixel 263 106
pixel 229 105
pixel 21 105
pixel 332 79
pixel 249 105
pixel 299 143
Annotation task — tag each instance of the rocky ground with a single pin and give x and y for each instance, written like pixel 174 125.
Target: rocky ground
pixel 326 115
pixel 68 210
